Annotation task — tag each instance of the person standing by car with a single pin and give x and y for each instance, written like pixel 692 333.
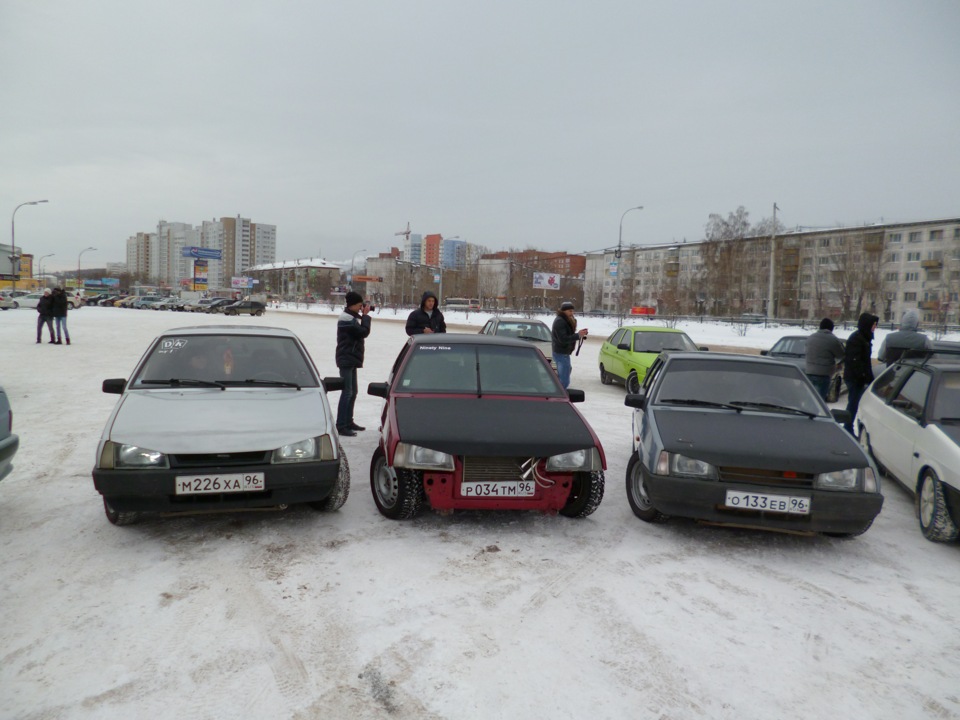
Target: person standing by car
pixel 564 337
pixel 45 315
pixel 823 352
pixel 858 364
pixel 353 326
pixel 60 304
pixel 908 337
pixel 427 318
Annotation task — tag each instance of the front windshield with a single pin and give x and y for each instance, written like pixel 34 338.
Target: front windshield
pixel 750 385
pixel 656 342
pixel 790 346
pixel 946 402
pixel 486 369
pixel 525 331
pixel 226 359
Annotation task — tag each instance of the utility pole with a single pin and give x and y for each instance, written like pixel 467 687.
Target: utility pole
pixel 771 313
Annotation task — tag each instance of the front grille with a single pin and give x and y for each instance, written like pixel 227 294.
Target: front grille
pixel 492 469
pixel 754 476
pixel 205 460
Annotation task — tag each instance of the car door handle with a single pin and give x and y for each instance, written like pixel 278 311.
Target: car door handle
pixel 916 454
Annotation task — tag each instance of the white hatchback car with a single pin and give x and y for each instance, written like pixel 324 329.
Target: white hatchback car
pixel 221 418
pixel 909 420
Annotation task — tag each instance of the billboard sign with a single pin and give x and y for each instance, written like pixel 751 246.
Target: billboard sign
pixel 241 282
pixel 203 253
pixel 546 281
pixel 200 268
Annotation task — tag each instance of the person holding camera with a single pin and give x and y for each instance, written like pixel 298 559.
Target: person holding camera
pixel 353 326
pixel 427 318
pixel 564 341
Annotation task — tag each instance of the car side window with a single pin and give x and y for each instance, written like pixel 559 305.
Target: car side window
pixel 488 328
pixel 616 337
pixel 885 385
pixel 913 395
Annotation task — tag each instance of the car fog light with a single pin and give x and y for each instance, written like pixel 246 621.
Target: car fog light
pixel 300 451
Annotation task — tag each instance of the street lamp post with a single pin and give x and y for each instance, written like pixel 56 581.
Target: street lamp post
pixel 618 254
pixel 79 285
pixel 40 263
pixel 15 257
pixel 353 261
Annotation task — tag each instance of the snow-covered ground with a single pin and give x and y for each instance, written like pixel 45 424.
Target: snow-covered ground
pixel 298 614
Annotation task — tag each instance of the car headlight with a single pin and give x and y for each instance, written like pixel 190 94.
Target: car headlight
pixel 838 480
pixel 318 448
pixel 417 457
pixel 120 456
pixel 579 460
pixel 677 464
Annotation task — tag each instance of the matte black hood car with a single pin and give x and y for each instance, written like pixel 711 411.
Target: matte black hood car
pixel 746 441
pixel 482 422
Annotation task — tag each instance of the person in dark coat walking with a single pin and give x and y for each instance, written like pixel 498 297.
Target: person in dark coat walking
pixel 823 351
pixel 45 315
pixel 60 304
pixel 858 364
pixel 908 337
pixel 564 337
pixel 353 326
pixel 428 318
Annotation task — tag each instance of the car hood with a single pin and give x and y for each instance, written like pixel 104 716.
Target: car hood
pixel 211 420
pixel 492 427
pixel 760 441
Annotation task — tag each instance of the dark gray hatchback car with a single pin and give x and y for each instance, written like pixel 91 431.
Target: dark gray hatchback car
pixel 745 441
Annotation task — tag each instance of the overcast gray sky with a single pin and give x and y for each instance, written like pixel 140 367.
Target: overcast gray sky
pixel 510 124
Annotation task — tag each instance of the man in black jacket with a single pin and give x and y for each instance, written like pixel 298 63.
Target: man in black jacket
pixel 564 337
pixel 426 319
pixel 823 351
pixel 858 364
pixel 353 326
pixel 59 312
pixel 45 315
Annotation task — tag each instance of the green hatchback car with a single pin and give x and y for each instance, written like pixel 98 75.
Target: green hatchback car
pixel 629 352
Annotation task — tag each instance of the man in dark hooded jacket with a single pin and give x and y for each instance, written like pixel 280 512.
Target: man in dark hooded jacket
pixel 353 327
pixel 45 315
pixel 428 318
pixel 907 338
pixel 858 363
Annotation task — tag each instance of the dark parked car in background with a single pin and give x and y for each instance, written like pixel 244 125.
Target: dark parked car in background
pixel 478 422
pixel 909 421
pixel 245 307
pixel 793 349
pixel 745 441
pixel 8 441
pixel 217 305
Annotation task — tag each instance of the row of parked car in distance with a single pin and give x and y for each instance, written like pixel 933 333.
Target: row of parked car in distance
pixel 227 306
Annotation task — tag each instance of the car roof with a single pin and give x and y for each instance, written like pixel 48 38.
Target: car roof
pixel 704 356
pixel 468 339
pixel 792 337
pixel 528 321
pixel 256 330
pixel 650 328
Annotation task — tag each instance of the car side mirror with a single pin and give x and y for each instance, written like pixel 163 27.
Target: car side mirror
pixel 841 416
pixel 703 348
pixel 379 389
pixel 576 395
pixel 636 400
pixel 332 384
pixel 114 386
pixel 623 346
pixel 764 352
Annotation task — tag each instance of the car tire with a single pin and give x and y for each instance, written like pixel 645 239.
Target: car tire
pixel 398 492
pixel 605 377
pixel 833 394
pixel 341 488
pixel 932 510
pixel 586 494
pixel 119 517
pixel 258 313
pixel 637 493
pixel 15 305
pixel 633 383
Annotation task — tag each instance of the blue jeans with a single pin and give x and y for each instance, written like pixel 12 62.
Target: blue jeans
pixel 821 383
pixel 61 322
pixel 854 393
pixel 348 397
pixel 563 368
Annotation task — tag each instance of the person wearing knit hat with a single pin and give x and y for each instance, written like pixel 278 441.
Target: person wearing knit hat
pixel 564 338
pixel 353 327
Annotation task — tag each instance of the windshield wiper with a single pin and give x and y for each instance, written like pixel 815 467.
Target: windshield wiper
pixel 770 406
pixel 699 403
pixel 273 383
pixel 185 382
pixel 948 420
pixel 530 337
